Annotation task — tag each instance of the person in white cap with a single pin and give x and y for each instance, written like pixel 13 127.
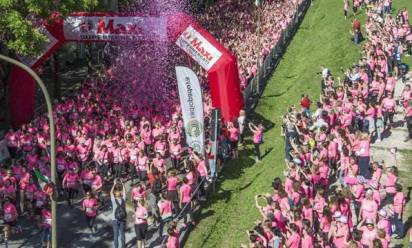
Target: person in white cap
pixel 369 232
pixel 384 222
pixel 339 232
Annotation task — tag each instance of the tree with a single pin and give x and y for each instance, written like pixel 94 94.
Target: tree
pixel 20 21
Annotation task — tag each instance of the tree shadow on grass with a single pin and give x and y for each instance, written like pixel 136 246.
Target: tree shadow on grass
pixel 250 183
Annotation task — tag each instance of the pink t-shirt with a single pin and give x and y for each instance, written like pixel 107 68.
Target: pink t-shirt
pixel 201 168
pixel 390 183
pixel 97 182
pixel 173 241
pixel 363 150
pixel 9 212
pixel 399 202
pixel 293 241
pixel 341 236
pixel 140 215
pixel 171 183
pixel 369 209
pixel 185 192
pixel 90 206
pixel 165 208
pixel 257 136
pixel 368 235
pixel 72 180
pixel 46 217
pixel 307 241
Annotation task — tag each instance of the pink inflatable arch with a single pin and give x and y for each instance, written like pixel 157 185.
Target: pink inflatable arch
pixel 179 28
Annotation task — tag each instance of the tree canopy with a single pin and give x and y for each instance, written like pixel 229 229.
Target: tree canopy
pixel 20 21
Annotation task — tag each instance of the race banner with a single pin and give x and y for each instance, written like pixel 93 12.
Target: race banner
pixel 199 48
pixel 190 96
pixel 114 28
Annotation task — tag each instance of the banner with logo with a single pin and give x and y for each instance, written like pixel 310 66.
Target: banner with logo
pixel 114 28
pixel 199 48
pixel 190 96
pixel 4 151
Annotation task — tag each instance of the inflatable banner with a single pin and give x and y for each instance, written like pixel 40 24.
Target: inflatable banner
pixel 191 101
pixel 177 28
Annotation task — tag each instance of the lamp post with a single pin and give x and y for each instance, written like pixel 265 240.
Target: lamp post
pixel 52 138
pixel 258 4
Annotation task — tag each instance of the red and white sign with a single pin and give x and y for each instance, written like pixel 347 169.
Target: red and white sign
pixel 114 28
pixel 199 48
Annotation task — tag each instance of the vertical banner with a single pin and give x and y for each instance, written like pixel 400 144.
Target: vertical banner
pixel 190 96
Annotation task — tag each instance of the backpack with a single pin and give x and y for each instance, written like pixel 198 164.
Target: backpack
pixel 120 213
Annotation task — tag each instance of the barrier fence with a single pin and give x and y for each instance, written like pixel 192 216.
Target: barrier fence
pixel 271 61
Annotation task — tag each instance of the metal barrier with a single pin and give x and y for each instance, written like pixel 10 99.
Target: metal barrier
pixel 202 182
pixel 272 60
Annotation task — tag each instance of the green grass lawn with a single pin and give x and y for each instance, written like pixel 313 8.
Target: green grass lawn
pixel 323 38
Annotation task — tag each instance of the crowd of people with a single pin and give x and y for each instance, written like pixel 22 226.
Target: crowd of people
pixel 239 30
pixel 335 194
pixel 118 131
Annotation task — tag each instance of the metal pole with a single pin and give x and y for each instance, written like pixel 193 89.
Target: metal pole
pixel 259 50
pixel 52 138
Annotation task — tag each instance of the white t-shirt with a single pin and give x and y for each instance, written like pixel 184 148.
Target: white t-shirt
pixel 241 121
pixel 325 73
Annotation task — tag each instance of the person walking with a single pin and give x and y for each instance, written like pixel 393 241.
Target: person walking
pixel 408 118
pixel 241 121
pixel 119 214
pixel 257 138
pixel 90 206
pixel 185 201
pixel 140 224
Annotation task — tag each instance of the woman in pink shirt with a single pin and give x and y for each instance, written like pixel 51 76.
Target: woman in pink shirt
pixel 90 206
pixel 339 232
pixel 46 223
pixel 257 138
pixel 172 182
pixel 399 202
pixel 388 109
pixel 140 223
pixel 9 216
pixel 86 176
pixel 175 153
pixel 391 181
pixel 185 194
pixel 142 166
pixel 71 183
pixel 30 192
pixel 369 232
pixel 234 138
pixel 362 153
pixel 368 208
pixel 293 237
pixel 165 211
pixel 173 238
pixel 308 240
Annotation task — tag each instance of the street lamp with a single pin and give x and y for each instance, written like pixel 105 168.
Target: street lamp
pixel 52 138
pixel 258 4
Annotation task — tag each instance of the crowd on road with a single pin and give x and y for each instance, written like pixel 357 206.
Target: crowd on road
pixel 117 131
pixel 334 193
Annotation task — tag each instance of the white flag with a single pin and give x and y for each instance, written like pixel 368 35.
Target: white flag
pixel 192 107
